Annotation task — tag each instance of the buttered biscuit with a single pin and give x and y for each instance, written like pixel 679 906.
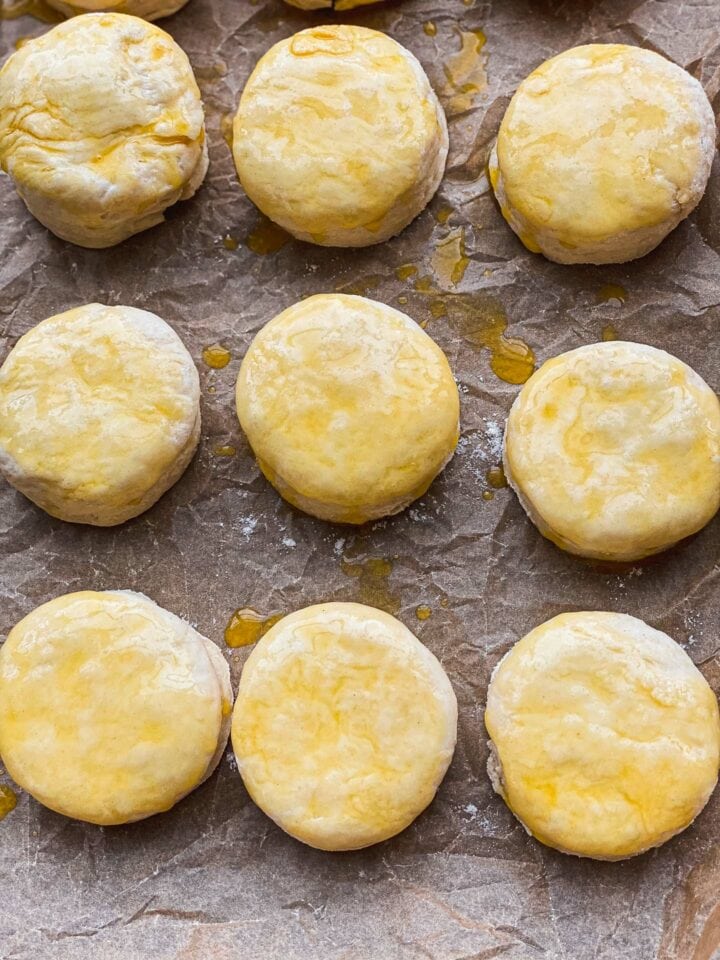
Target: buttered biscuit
pixel 99 413
pixel 339 137
pixel 614 450
pixel 101 127
pixel 350 408
pixel 344 726
pixel 602 152
pixel 111 708
pixel 147 9
pixel 605 738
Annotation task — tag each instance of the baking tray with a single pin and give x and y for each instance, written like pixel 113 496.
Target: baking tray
pixel 213 879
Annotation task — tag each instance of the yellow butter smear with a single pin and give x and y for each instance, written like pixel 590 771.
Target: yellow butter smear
pixel 465 73
pixel 483 322
pixel 8 800
pixel 246 626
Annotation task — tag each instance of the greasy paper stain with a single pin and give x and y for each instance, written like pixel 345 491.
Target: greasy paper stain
pixel 373 576
pixel 361 286
pixel 8 800
pixel 495 476
pixel 449 259
pixel 246 626
pixel 465 73
pixel 266 238
pixel 216 356
pixel 611 291
pixel 609 332
pixel 482 322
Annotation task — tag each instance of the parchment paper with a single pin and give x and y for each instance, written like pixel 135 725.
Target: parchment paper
pixel 214 878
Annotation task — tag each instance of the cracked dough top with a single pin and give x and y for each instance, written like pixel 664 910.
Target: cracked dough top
pixel 110 708
pixel 607 734
pixel 614 449
pixel 344 725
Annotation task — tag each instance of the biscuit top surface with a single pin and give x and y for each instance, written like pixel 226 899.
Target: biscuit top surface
pixel 109 706
pixel 334 125
pixel 98 401
pixel 102 108
pixel 348 400
pixel 344 725
pixel 605 139
pixel 607 734
pixel 616 448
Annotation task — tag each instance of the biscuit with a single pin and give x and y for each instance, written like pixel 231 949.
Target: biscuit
pixel 101 127
pixel 99 413
pixel 605 738
pixel 344 726
pixel 111 708
pixel 603 150
pixel 349 406
pixel 339 137
pixel 614 451
pixel 147 9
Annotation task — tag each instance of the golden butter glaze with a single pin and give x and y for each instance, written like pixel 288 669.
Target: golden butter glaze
pixel 614 450
pixel 339 137
pixel 344 725
pixel 101 127
pixel 605 735
pixel 111 708
pixel 99 413
pixel 603 150
pixel 351 409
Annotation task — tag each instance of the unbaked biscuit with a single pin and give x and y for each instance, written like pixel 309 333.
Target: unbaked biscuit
pixel 99 413
pixel 111 708
pixel 339 137
pixel 603 150
pixel 147 9
pixel 614 450
pixel 605 738
pixel 344 726
pixel 101 127
pixel 350 408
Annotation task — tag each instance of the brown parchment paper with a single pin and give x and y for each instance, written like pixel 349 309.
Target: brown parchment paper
pixel 214 878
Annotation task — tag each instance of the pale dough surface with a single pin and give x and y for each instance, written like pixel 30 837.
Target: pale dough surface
pixel 101 127
pixel 603 150
pixel 614 450
pixel 606 736
pixel 350 408
pixel 339 137
pixel 111 708
pixel 99 413
pixel 147 9
pixel 344 725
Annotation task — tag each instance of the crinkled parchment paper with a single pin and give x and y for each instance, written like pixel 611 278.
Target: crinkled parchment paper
pixel 214 879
